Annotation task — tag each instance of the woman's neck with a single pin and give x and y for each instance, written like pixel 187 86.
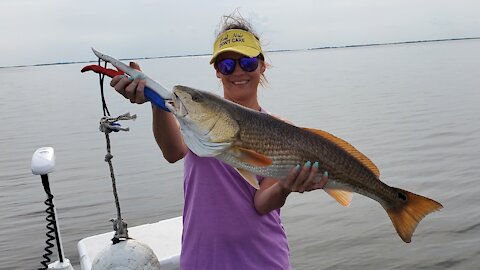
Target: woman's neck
pixel 250 103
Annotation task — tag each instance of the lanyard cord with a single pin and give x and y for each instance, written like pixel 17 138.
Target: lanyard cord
pixel 101 78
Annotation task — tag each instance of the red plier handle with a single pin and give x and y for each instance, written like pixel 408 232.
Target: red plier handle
pixel 150 94
pixel 102 70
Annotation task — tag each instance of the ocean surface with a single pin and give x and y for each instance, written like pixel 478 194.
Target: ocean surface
pixel 412 108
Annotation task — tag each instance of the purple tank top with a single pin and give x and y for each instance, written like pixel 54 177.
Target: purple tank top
pixel 221 228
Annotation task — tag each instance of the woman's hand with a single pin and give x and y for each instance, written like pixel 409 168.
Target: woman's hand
pixel 273 193
pixel 130 88
pixel 306 178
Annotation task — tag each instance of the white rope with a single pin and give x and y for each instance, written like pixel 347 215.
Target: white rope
pixel 107 125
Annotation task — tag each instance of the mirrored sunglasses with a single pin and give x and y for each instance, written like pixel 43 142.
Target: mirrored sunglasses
pixel 227 66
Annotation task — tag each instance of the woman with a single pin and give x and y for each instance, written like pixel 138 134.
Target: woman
pixel 227 224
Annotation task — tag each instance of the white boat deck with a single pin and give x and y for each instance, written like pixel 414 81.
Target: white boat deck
pixel 163 237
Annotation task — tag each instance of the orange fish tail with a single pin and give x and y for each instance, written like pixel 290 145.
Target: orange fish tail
pixel 412 209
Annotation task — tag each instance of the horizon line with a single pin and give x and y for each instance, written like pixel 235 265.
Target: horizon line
pixel 270 51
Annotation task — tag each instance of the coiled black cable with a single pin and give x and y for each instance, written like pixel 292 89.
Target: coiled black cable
pixel 52 232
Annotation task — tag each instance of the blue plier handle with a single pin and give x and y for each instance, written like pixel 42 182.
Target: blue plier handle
pixel 155 98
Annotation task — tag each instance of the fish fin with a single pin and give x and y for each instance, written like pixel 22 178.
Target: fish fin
pixel 406 216
pixel 349 148
pixel 249 177
pixel 344 197
pixel 251 157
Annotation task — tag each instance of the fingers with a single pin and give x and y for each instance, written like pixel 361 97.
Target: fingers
pixel 311 178
pixel 130 88
pixel 140 94
pixel 319 182
pixel 292 176
pixel 119 83
pixel 134 65
pixel 116 79
pixel 302 177
pixel 305 178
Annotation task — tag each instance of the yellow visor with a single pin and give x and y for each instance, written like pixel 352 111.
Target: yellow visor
pixel 236 40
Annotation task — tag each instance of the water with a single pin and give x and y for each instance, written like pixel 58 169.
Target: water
pixel 413 109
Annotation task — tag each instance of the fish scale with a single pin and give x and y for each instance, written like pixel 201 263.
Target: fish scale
pixel 298 150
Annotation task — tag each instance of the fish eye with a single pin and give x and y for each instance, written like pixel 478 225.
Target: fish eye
pixel 196 98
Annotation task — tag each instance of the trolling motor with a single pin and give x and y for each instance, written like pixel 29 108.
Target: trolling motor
pixel 43 162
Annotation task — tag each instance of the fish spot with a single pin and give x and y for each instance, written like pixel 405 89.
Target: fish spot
pixel 402 196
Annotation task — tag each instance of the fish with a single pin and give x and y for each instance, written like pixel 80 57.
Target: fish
pixel 257 143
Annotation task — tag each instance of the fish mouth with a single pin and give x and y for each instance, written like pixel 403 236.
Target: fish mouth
pixel 176 106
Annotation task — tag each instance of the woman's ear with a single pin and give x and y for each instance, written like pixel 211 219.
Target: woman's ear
pixel 217 73
pixel 263 67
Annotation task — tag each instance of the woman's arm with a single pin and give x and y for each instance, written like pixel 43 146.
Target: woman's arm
pixel 165 127
pixel 167 135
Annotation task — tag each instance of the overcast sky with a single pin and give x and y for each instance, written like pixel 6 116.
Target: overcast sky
pixel 46 31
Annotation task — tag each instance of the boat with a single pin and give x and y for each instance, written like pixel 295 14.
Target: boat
pixel 149 246
pixel 163 237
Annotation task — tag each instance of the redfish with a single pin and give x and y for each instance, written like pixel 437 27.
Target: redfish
pixel 258 144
